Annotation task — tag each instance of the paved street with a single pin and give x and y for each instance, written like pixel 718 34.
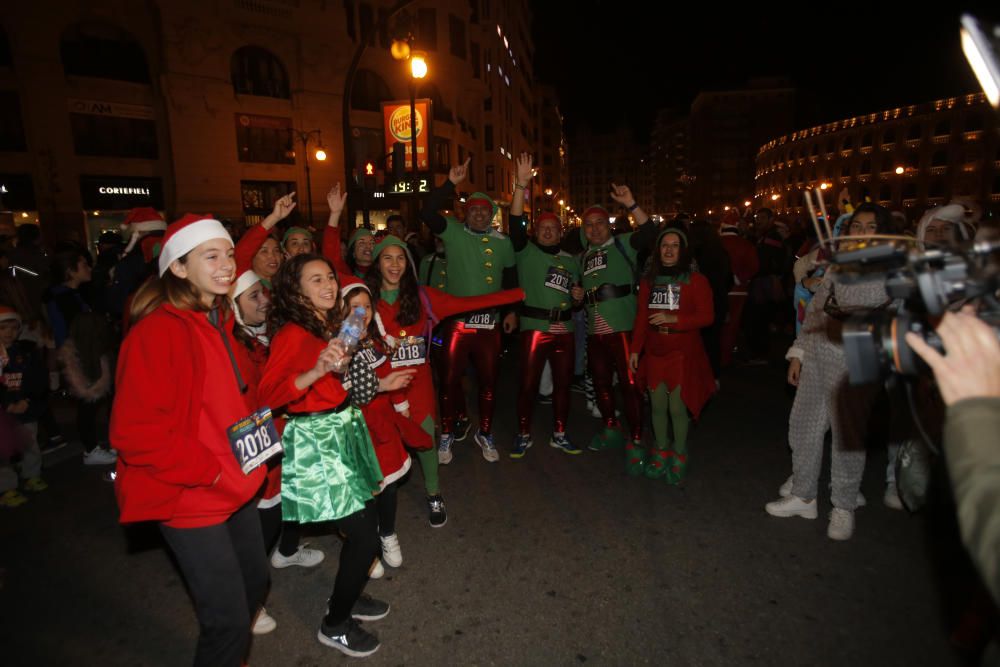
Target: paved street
pixel 550 560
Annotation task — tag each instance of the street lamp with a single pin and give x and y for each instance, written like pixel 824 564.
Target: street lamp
pixel 900 171
pixel 304 137
pixel 418 70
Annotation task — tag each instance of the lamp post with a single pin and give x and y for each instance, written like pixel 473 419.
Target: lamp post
pixel 304 136
pixel 418 70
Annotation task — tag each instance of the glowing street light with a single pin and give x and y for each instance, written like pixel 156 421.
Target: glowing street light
pixel 775 197
pixel 900 171
pixel 320 154
pixel 418 65
pixel 747 203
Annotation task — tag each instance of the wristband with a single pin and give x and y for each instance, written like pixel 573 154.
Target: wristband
pixel 634 206
pixel 519 186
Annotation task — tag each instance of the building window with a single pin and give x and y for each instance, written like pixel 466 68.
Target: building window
pixel 488 138
pixel 257 71
pixel 973 122
pixel 866 140
pixel 472 167
pixel 847 144
pixel 11 126
pixel 866 166
pixel 103 52
pixel 942 129
pixel 845 170
pixel 259 196
pixel 490 178
pixel 427 29
pixel 366 15
pixel 889 137
pixel 916 131
pixel 475 59
pixel 939 159
pixel 474 11
pixel 910 191
pixel 885 193
pixel 113 136
pixel 488 104
pixel 369 91
pixel 936 188
pixel 456 33
pixel 266 139
pixel 442 154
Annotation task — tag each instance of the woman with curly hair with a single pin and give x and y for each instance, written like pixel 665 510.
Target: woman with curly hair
pixel 330 471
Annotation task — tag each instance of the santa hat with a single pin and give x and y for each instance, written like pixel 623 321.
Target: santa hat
pixel 141 220
pixel 548 216
pixel 600 210
pixel 8 314
pixel 348 286
pixel 188 233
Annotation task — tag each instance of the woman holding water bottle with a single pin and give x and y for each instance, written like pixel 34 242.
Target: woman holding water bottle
pixel 330 471
pixel 674 303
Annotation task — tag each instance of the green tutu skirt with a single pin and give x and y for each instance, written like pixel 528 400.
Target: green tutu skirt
pixel 329 470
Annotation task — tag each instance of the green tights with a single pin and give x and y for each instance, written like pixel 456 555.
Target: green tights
pixel 668 409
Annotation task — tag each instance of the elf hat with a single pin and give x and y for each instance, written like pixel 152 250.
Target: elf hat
pixel 141 220
pixel 188 233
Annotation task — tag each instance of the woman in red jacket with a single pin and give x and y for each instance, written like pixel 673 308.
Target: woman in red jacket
pixel 674 303
pixel 180 394
pixel 330 471
pixel 408 311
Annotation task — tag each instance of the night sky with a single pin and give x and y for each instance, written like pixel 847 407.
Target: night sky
pixel 861 59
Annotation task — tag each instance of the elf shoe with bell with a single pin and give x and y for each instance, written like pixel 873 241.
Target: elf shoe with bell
pixel 635 458
pixel 656 464
pixel 609 438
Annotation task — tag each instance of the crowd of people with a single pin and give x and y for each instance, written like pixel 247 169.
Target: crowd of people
pixel 291 376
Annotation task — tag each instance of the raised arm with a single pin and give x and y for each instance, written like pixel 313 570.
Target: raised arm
pixel 430 213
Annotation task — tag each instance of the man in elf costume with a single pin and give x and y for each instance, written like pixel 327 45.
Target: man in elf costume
pixel 480 262
pixel 609 274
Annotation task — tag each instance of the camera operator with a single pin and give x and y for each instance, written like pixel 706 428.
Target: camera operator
pixel 968 376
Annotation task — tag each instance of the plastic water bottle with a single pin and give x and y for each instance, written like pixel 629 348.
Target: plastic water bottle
pixel 350 334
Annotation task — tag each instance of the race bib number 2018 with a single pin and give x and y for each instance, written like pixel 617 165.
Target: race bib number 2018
pixel 595 262
pixel 558 279
pixel 665 297
pixel 481 321
pixel 412 351
pixel 254 440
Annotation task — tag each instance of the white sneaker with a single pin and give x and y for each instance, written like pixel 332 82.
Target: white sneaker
pixel 303 557
pixel 376 571
pixel 485 442
pixel 594 412
pixel 891 497
pixel 444 448
pixel 841 524
pixel 99 457
pixel 264 623
pixel 391 553
pixel 785 489
pixel 792 506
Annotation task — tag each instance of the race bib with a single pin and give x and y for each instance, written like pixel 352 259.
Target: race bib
pixel 481 321
pixel 665 297
pixel 371 356
pixel 254 440
pixel 558 279
pixel 595 262
pixel 412 351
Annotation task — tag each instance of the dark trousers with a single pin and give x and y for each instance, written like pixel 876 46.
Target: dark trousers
pixel 361 545
pixel 225 569
pixel 86 422
pixel 385 503
pixel 273 527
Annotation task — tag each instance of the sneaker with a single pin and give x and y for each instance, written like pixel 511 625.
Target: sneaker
pixel 891 497
pixel 792 506
pixel 578 386
pixel 841 525
pixel 376 571
pixel 444 448
pixel 99 457
pixel 348 638
pixel 302 557
pixel 54 443
pixel 593 409
pixel 264 623
pixel 461 428
pixel 560 441
pixel 521 444
pixel 368 608
pixel 12 498
pixel 391 553
pixel 785 489
pixel 438 515
pixel 545 399
pixel 35 485
pixel 485 442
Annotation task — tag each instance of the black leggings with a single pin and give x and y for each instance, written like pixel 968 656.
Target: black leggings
pixel 272 526
pixel 361 545
pixel 385 503
pixel 226 573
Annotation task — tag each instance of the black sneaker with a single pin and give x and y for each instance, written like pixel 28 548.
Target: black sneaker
pixel 438 515
pixel 461 428
pixel 368 608
pixel 54 443
pixel 348 638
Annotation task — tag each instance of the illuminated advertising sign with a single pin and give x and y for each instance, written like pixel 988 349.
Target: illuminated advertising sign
pixel 396 126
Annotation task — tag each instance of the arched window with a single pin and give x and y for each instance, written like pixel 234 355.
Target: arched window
pixel 257 71
pixel 369 91
pixel 440 111
pixel 104 52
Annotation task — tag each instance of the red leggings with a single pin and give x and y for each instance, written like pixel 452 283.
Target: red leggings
pixel 606 354
pixel 537 347
pixel 731 328
pixel 461 346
